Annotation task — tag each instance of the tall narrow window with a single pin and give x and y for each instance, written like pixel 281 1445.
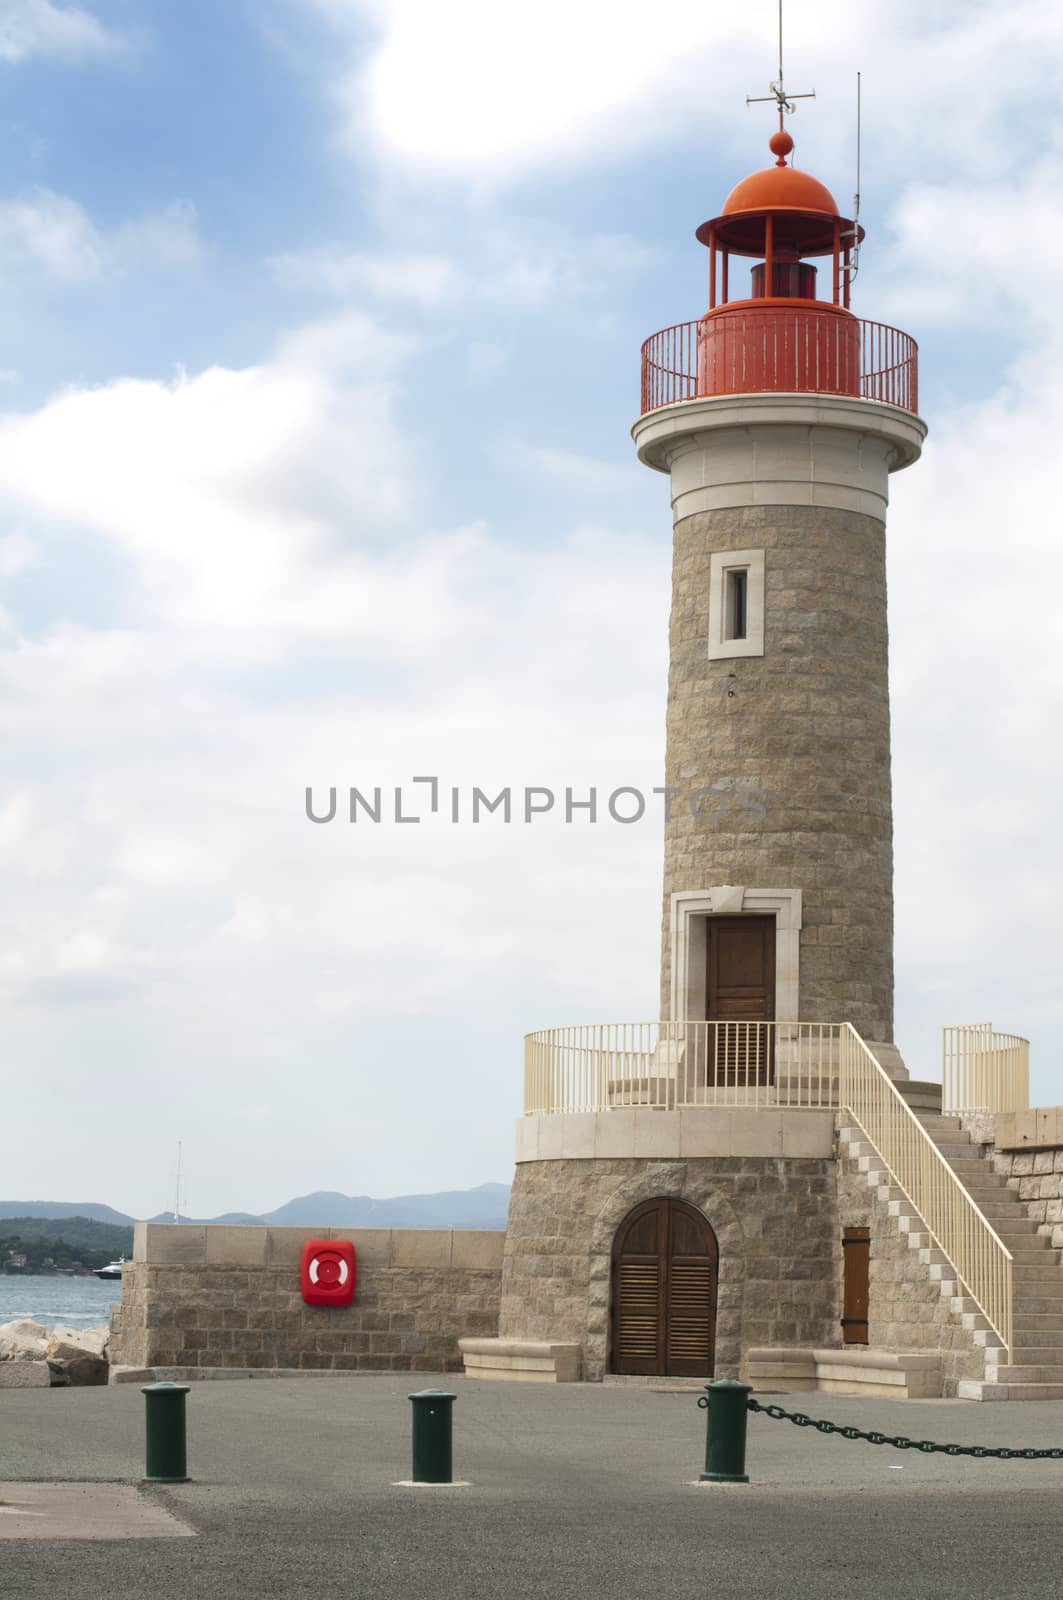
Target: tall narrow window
pixel 736 604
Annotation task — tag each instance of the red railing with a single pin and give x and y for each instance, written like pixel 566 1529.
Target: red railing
pixel 756 351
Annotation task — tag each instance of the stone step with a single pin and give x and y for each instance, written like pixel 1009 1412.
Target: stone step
pixel 944 1131
pixel 1039 1281
pixel 1038 1328
pixel 920 1094
pixel 1039 1345
pixel 1035 1304
pixel 998 1206
pixel 1027 1372
pixel 975 1389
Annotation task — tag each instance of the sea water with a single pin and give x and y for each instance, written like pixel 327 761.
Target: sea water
pixel 75 1302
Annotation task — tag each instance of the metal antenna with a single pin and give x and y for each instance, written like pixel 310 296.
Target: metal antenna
pixel 784 101
pixel 854 232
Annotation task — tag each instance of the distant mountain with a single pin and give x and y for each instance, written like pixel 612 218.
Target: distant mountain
pixel 482 1207
pixel 55 1208
pixel 228 1216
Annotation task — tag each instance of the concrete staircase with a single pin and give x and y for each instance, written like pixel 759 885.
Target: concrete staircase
pixel 1036 1371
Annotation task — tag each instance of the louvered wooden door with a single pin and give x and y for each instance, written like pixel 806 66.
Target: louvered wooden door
pixel 665 1262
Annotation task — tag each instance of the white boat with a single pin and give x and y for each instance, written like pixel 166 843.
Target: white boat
pixel 113 1269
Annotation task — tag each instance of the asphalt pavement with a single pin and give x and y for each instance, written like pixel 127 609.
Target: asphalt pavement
pixel 574 1490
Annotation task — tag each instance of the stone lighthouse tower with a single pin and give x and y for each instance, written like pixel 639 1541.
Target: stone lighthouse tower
pixel 778 417
pixel 677 1199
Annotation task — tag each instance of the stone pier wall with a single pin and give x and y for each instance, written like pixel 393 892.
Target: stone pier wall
pixel 1027 1149
pixel 216 1299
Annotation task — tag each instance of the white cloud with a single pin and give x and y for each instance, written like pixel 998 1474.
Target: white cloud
pixel 574 471
pixel 239 497
pixel 42 28
pixel 979 253
pixel 47 232
pixel 426 280
pixel 50 232
pixel 17 554
pixel 277 642
pixel 487 93
pixel 541 264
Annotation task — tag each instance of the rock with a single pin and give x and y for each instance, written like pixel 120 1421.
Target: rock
pixel 83 1341
pixel 74 1369
pixel 24 1374
pixel 75 1357
pixel 23 1341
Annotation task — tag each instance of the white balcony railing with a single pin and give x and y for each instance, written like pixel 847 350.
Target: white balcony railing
pixel 982 1070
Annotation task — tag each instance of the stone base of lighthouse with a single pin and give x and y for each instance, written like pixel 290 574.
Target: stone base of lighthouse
pixel 768 1204
pixel 774 1222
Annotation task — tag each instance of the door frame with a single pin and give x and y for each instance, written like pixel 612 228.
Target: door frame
pixel 688 911
pixel 620 1233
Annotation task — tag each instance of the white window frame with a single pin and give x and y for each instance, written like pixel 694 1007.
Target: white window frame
pixel 721 563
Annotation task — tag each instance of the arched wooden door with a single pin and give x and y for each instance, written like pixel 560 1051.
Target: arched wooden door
pixel 665 1267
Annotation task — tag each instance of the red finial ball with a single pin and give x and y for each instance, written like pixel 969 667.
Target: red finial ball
pixel 780 144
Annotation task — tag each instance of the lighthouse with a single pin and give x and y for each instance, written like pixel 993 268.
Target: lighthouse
pixel 778 417
pixel 751 1185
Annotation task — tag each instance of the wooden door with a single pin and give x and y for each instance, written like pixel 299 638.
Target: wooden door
pixel 739 994
pixel 665 1265
pixel 856 1275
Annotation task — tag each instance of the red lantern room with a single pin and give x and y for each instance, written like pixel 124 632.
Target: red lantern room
pixel 789 328
pixel 779 335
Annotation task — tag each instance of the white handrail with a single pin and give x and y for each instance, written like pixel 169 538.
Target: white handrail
pixel 983 1263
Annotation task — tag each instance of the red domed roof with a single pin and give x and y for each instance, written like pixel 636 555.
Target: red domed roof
pixel 810 210
pixel 780 188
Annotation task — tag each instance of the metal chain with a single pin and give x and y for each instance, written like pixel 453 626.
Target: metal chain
pixel 1002 1453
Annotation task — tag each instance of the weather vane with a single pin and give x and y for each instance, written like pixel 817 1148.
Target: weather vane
pixel 784 101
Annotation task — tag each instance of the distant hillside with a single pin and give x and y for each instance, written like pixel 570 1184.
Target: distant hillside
pixel 81 1233
pixel 55 1208
pixel 482 1207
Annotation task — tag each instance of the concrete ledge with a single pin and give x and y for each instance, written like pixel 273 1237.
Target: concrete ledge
pixel 165 1244
pixel 25 1375
pixel 1040 1128
pixel 223 1374
pixel 520 1360
pixel 646 1132
pixel 849 1369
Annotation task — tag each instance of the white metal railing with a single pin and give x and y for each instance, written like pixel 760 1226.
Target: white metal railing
pixel 982 1261
pixel 982 1070
pixel 823 1066
pixel 601 1065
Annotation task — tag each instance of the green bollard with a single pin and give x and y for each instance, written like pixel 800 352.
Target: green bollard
pixel 164 1426
pixel 725 1436
pixel 433 1456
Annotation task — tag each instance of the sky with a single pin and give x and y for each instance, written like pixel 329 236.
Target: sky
pixel 319 348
